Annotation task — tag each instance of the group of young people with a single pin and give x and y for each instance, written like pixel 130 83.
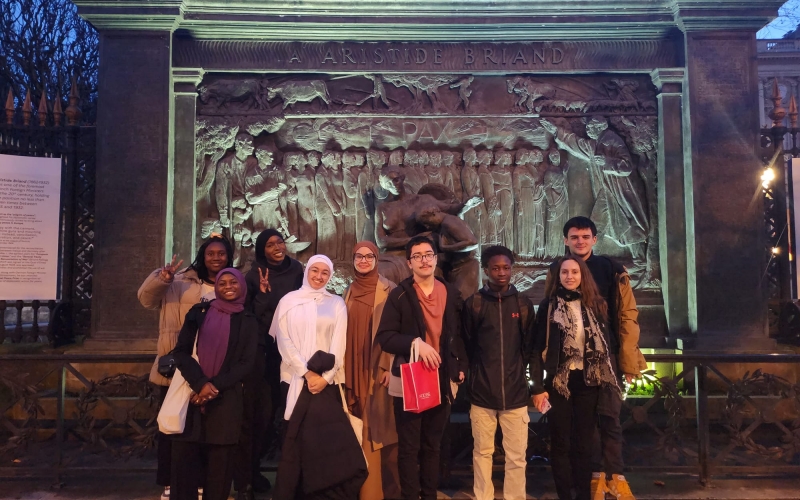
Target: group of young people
pixel 276 338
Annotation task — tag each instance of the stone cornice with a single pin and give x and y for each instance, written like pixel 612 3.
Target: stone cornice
pixel 712 15
pixel 432 20
pixel 132 14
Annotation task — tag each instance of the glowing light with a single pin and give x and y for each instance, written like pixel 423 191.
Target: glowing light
pixel 776 250
pixel 766 177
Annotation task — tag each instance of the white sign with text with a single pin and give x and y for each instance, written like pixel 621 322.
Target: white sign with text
pixel 29 217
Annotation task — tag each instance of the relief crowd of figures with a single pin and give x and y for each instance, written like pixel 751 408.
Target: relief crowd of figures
pixel 326 201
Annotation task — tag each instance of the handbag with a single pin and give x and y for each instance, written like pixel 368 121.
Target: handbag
pixel 420 384
pixel 172 415
pixel 355 422
pixel 166 365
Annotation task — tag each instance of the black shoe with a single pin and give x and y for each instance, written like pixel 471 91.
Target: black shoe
pixel 261 484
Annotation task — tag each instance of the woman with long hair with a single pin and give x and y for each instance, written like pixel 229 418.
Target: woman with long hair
pixel 571 346
pixel 173 293
pixel 215 351
pixel 367 373
pixel 320 456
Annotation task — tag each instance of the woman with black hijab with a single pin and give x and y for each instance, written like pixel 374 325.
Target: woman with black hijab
pixel 273 275
pixel 224 336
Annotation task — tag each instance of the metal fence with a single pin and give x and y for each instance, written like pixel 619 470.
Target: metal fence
pixel 44 132
pixel 702 417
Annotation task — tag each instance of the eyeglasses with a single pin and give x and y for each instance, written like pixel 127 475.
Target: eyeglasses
pixel 424 257
pixel 369 257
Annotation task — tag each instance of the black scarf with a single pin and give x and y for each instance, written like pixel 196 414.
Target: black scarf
pixel 597 368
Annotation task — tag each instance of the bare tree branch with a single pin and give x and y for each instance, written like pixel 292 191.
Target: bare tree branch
pixel 43 44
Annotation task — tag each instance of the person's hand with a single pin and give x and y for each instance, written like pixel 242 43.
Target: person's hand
pixel 428 355
pixel 460 377
pixel 263 281
pixel 169 270
pixel 316 383
pixel 385 378
pixel 539 399
pixel 629 377
pixel 208 392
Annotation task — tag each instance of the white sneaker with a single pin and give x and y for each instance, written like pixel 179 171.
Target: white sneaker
pixel 165 495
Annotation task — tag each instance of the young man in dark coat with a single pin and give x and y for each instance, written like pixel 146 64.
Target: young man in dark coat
pixel 423 310
pixel 498 325
pixel 273 275
pixel 614 284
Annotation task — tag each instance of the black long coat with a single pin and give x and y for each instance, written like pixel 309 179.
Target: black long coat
pixel 221 422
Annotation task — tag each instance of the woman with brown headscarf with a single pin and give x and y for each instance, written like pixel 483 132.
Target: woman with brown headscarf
pixel 367 373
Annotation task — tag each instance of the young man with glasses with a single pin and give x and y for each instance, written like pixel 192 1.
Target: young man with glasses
pixel 423 310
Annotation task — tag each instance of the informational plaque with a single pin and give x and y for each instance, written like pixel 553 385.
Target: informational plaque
pixel 29 217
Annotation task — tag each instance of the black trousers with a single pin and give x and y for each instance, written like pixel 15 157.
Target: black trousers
pixel 164 444
pixel 419 444
pixel 607 440
pixel 189 460
pixel 255 419
pixel 572 424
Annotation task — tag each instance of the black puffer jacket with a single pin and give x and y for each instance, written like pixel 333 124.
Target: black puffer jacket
pixel 402 321
pixel 499 347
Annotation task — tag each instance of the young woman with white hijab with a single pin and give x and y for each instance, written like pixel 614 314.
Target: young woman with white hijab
pixel 321 456
pixel 308 320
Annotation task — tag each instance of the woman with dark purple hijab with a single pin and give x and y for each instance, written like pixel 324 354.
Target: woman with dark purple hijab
pixel 215 351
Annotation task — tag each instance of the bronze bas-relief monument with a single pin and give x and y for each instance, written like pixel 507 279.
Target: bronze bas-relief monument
pixel 472 160
pixel 241 115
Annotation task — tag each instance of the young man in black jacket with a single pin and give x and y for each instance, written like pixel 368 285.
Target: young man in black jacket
pixel 423 310
pixel 498 324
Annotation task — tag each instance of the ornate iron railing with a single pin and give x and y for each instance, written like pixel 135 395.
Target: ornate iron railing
pixel 49 136
pixel 701 419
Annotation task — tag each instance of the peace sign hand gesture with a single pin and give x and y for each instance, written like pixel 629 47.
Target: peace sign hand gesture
pixel 169 270
pixel 263 281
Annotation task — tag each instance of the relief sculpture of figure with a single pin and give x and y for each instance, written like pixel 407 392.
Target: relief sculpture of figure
pixel 457 245
pixel 230 178
pixel 352 165
pixel 264 187
pixel 477 219
pixel 451 171
pixel 618 210
pixel 230 191
pixel 415 177
pixel 433 169
pixel 524 181
pixel 501 173
pixel 463 91
pixel 557 199
pixel 492 204
pixel 330 224
pixel 366 192
pixel 299 199
pixel 396 221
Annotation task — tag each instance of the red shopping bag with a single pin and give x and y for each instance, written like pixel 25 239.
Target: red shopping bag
pixel 420 385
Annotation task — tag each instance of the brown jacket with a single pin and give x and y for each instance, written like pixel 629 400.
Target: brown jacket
pixel 382 430
pixel 174 299
pixel 630 358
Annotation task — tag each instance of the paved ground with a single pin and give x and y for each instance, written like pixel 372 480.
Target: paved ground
pixel 540 487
